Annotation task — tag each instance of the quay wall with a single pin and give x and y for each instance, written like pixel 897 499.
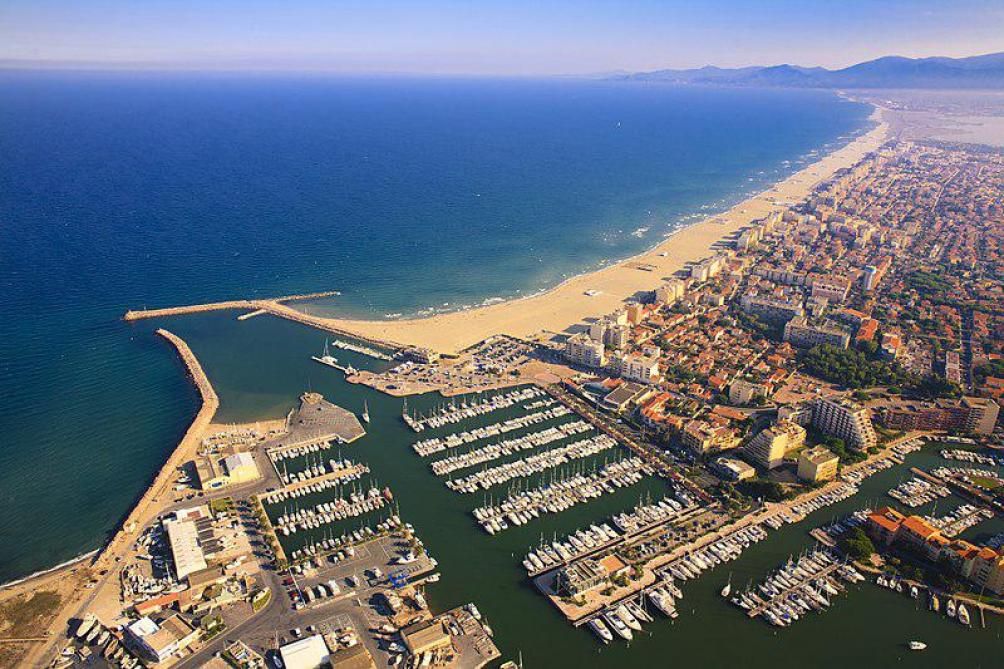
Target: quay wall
pixel 277 308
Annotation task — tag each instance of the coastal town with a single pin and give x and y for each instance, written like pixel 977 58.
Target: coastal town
pixel 813 343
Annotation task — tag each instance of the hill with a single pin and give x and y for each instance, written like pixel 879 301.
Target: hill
pixel 975 72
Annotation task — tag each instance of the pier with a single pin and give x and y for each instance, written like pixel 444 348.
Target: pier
pixel 139 314
pixel 964 490
pixel 799 584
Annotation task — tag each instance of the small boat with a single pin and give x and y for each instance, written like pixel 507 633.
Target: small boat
pixel 727 589
pixel 950 608
pixel 85 626
pixel 963 614
pixel 917 645
pixel 366 412
pixel 601 630
pixel 326 358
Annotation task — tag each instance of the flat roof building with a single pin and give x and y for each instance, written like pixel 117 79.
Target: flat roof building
pixel 183 537
pixel 426 636
pixel 817 464
pixel 308 653
pixel 770 445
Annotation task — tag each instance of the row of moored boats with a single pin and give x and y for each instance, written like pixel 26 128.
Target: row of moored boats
pixel 508 447
pixel 324 513
pixel 347 539
pixel 356 472
pixel 623 619
pixel 465 408
pixel 798 588
pixel 951 608
pixel 917 492
pixel 533 464
pixel 522 506
pixel 426 447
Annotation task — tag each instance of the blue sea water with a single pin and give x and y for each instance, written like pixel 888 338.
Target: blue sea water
pixel 408 195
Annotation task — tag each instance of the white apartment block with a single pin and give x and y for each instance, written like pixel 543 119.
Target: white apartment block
pixel 845 420
pixel 582 349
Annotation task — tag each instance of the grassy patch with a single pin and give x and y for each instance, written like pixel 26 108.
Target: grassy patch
pixel 984 482
pixel 261 601
pixel 25 616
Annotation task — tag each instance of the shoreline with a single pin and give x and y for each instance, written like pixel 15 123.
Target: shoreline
pixel 43 573
pixel 452 331
pixel 560 308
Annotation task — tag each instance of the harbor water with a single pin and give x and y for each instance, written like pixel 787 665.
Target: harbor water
pixel 867 626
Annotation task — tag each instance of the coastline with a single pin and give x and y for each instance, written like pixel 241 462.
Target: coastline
pixel 553 310
pixel 566 304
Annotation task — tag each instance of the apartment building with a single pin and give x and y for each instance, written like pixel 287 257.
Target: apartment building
pixel 845 420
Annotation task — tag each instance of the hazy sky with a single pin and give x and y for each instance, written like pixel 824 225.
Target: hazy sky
pixel 488 37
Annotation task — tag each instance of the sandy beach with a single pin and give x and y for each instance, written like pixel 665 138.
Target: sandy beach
pixel 564 306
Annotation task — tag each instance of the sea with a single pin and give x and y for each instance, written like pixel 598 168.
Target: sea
pixel 410 196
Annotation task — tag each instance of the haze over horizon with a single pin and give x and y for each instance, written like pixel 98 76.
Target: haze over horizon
pixel 448 37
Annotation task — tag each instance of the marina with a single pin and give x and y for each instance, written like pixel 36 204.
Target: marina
pixel 797 588
pixel 466 407
pixel 559 493
pixel 599 537
pixel 534 464
pixel 508 447
pixel 433 445
pixel 917 492
pixel 989 459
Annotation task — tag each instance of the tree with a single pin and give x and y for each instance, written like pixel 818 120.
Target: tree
pixel 932 386
pixel 850 368
pixel 857 545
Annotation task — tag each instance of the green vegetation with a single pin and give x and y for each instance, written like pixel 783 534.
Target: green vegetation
pixel 261 600
pixel 928 284
pixel 764 489
pixel 681 374
pixel 760 329
pixel 223 505
pixel 850 368
pixel 935 386
pixel 992 368
pixel 985 482
pixel 212 626
pixel 24 616
pixel 857 544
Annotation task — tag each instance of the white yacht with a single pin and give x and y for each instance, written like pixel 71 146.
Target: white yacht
pixel 601 630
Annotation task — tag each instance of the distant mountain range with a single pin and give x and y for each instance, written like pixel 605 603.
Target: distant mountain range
pixel 984 72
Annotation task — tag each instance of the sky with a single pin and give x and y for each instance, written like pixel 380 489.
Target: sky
pixel 489 37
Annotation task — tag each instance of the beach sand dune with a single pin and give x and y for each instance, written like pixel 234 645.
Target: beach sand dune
pixel 563 307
